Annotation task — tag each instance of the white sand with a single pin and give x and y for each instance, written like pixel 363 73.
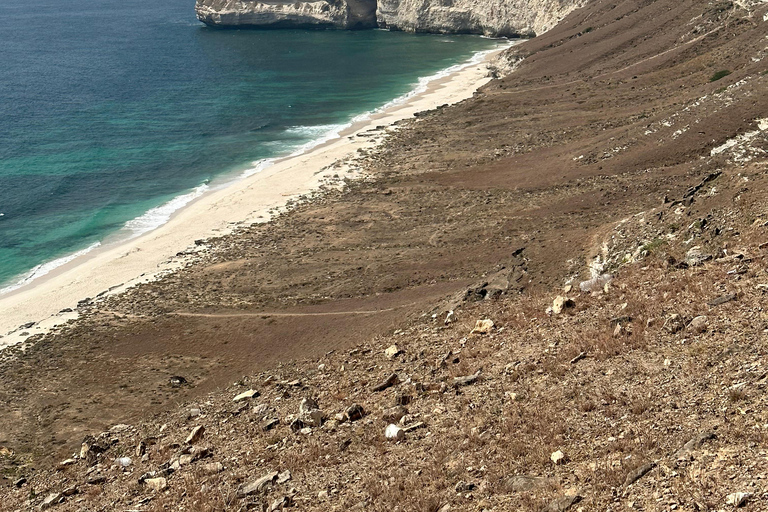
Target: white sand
pixel 118 266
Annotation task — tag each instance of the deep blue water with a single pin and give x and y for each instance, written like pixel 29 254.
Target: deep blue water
pixel 110 108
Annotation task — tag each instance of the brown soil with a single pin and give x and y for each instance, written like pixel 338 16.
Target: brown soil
pixel 608 114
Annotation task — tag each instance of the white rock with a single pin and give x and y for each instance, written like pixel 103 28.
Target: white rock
pixel 245 395
pixel 195 435
pixel 482 327
pixel 738 499
pixel 394 433
pixel 156 484
pixel 558 458
pixel 392 351
pixel 560 303
pixel 698 324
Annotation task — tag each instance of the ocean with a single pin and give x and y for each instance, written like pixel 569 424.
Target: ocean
pixel 116 113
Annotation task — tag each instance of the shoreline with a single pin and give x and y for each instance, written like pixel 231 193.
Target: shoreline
pixel 253 196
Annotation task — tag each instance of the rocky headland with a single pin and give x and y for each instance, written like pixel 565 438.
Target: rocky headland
pixel 550 297
pixel 501 18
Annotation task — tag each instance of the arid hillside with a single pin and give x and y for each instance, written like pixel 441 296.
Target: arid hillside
pixel 629 141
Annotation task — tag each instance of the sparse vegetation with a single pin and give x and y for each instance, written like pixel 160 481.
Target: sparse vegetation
pixel 719 74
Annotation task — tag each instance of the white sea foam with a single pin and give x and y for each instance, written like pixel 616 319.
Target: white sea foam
pixel 46 268
pixel 159 215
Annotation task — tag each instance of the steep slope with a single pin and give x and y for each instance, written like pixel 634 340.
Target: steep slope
pixel 631 139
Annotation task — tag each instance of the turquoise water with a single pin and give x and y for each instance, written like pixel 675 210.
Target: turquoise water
pixel 112 108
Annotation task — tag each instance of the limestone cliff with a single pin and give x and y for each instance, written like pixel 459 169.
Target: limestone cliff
pixel 347 14
pixel 489 17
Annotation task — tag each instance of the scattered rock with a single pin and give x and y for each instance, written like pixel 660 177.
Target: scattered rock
pixel 284 477
pixel 595 284
pixel 258 486
pixel 196 435
pixel 394 433
pixel 51 500
pixel 693 444
pixel 482 327
pixel 246 395
pixel 463 486
pixel 386 383
pixel 722 300
pixel 414 426
pixel 156 484
pixel 96 479
pixel 177 381
pixel 638 473
pixel 450 318
pixel 695 256
pixel 558 458
pixel 559 304
pixel 562 503
pixel 281 503
pixel 394 414
pixel 403 399
pixel 466 380
pixel 674 324
pixel 738 499
pixel 123 462
pixel 212 468
pixel 63 464
pixel 354 412
pixel 270 424
pixel 19 482
pixel 392 351
pixel 698 325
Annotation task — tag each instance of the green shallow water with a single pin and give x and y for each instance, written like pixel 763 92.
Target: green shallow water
pixel 115 113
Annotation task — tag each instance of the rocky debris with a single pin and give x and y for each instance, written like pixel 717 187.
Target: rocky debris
pixel 92 447
pixel 414 426
pixel 722 300
pixel 482 327
pixel 394 433
pixel 392 351
pixel 462 487
pixel 595 284
pixel 694 444
pixel 638 473
pixel 449 318
pixel 310 415
pixel 19 482
pixel 354 412
pixel 246 395
pixel 158 484
pixel 284 477
pixel 738 499
pixel 177 381
pixel 212 468
pixel 51 500
pixel 390 381
pixel 258 486
pixel 674 323
pixel 96 479
pixel 695 257
pixel 560 304
pixel 466 380
pixel 698 325
pixel 394 414
pixel 270 424
pixel 281 503
pixel 558 458
pixel 196 435
pixel 68 462
pixel 562 503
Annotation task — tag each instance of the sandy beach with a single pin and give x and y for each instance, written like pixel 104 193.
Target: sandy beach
pixel 52 300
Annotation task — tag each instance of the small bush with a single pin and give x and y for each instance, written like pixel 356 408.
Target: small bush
pixel 720 74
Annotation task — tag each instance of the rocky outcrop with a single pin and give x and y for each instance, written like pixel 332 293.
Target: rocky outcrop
pixel 490 17
pixel 345 14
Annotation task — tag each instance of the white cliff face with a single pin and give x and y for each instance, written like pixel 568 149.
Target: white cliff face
pixel 347 14
pixel 489 17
